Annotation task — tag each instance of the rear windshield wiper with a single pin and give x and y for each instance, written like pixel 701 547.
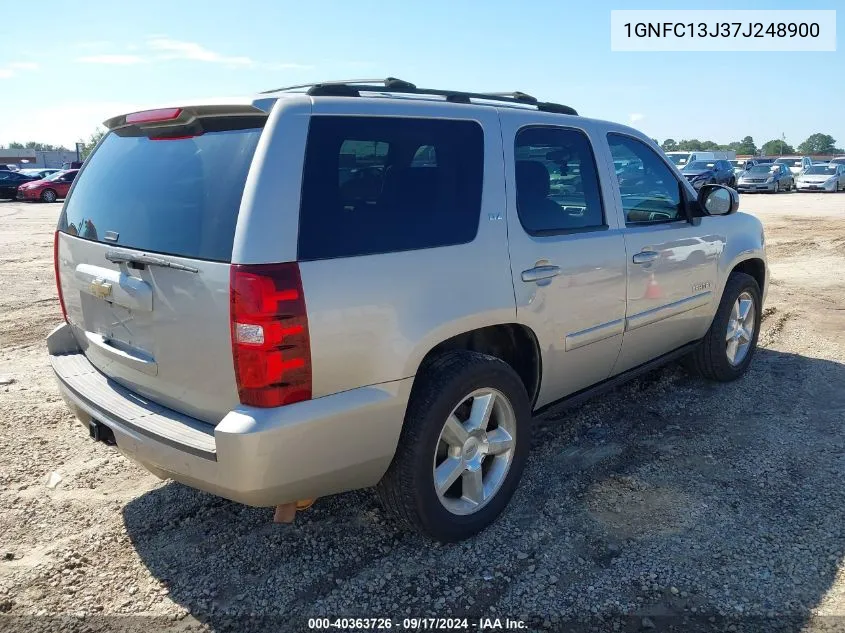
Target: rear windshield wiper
pixel 149 260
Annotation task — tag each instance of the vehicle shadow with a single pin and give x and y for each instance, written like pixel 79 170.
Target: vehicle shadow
pixel 669 497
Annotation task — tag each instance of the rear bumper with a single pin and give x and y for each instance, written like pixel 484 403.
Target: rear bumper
pixel 260 457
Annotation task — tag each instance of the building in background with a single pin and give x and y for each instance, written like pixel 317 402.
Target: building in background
pixel 24 158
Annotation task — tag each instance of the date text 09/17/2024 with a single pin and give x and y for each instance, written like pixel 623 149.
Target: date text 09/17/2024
pixel 417 624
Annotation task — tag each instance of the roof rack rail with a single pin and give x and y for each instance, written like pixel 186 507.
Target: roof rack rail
pixel 354 87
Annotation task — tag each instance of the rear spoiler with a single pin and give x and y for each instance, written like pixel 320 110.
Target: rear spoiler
pixel 182 116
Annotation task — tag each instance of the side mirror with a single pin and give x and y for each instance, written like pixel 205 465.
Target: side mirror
pixel 718 200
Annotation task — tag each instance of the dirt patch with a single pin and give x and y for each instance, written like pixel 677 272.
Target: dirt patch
pixel 669 495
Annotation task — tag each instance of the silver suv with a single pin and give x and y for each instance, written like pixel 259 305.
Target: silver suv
pixel 347 285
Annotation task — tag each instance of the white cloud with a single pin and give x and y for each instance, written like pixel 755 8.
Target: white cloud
pixel 177 49
pixel 636 116
pixel 116 60
pixel 11 69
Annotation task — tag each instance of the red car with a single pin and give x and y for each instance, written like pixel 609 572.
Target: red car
pixel 50 189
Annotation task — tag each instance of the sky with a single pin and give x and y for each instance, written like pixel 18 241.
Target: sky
pixel 68 65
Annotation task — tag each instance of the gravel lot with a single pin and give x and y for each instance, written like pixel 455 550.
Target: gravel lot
pixel 670 498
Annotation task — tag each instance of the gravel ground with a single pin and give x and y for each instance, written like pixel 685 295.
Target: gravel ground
pixel 668 502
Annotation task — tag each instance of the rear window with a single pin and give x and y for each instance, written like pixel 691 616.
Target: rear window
pixel 387 184
pixel 176 196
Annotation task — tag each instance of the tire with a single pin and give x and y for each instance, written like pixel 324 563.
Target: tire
pixel 442 388
pixel 732 183
pixel 777 187
pixel 711 358
pixel 48 195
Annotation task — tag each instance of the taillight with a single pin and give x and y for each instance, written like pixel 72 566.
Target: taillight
pixel 57 273
pixel 270 343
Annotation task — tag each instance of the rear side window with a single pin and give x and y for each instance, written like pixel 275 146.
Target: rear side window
pixel 387 184
pixel 557 187
pixel 175 196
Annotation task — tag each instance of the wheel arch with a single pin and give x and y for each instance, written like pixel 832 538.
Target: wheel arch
pixel 755 267
pixel 514 343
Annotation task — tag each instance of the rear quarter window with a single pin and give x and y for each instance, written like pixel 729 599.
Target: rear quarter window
pixel 388 184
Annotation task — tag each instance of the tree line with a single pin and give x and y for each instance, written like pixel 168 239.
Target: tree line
pixel 38 147
pixel 817 143
pixel 85 145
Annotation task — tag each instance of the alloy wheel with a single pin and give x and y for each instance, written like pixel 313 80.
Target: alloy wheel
pixel 474 451
pixel 741 326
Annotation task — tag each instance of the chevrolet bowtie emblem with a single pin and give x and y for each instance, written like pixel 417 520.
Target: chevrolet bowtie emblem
pixel 100 288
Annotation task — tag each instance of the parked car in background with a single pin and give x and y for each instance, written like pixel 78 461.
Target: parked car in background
pixel 707 172
pixel 39 173
pixel 682 159
pixel 839 160
pixel 796 164
pixel 48 189
pixel 10 182
pixel 770 177
pixel 741 165
pixel 300 294
pixel 7 167
pixel 822 177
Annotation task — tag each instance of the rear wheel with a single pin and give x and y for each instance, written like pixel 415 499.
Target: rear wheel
pixel 48 195
pixel 729 345
pixel 463 447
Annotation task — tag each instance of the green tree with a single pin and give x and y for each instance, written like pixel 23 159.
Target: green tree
pixel 692 145
pixel 745 146
pixel 44 147
pixel 15 145
pixel 669 145
pixel 777 147
pixel 89 145
pixel 818 143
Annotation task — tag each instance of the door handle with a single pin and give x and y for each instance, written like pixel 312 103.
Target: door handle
pixel 646 257
pixel 538 273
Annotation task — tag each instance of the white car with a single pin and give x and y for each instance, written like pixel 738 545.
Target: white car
pixel 797 164
pixel 826 177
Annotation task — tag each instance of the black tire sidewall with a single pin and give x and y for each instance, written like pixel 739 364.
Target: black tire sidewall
pixel 436 519
pixel 737 284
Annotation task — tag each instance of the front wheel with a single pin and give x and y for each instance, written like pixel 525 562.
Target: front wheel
pixel 48 195
pixel 463 447
pixel 729 345
pixel 777 187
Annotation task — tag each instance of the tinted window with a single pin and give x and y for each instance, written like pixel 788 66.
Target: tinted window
pixel 649 190
pixel 385 184
pixel 178 196
pixel 557 188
